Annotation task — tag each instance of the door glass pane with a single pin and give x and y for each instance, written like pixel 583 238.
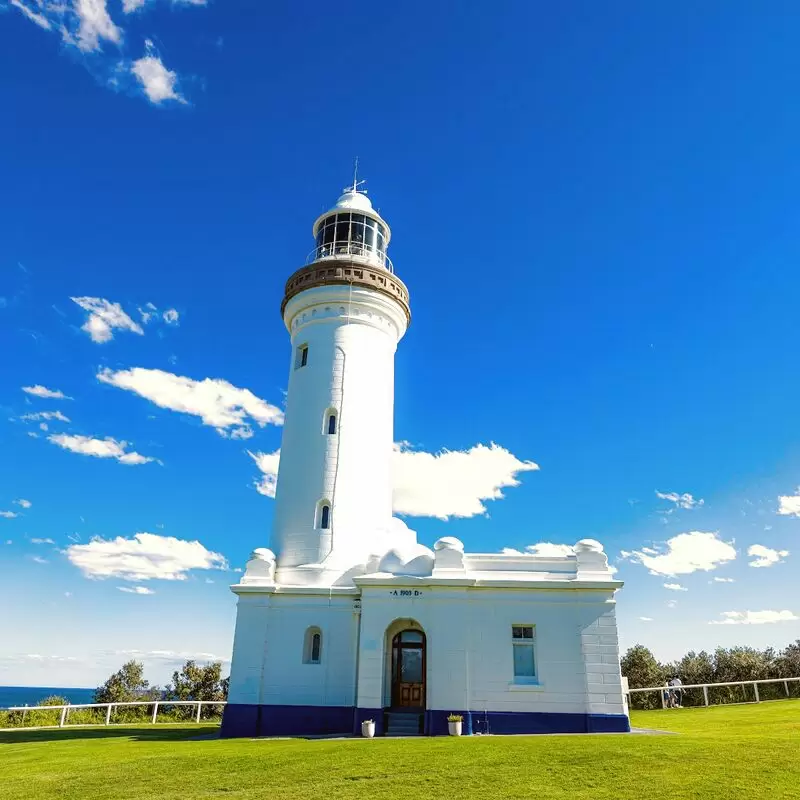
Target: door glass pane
pixel 523 661
pixel 411 636
pixel 411 667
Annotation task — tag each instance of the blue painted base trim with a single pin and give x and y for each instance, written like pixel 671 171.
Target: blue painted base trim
pixel 252 720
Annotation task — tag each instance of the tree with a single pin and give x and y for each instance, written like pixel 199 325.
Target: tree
pixel 126 686
pixel 642 669
pixel 196 682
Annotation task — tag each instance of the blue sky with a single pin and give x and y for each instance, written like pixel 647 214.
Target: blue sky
pixel 595 208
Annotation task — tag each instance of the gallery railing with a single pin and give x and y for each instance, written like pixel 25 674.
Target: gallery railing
pixel 109 713
pixel 351 250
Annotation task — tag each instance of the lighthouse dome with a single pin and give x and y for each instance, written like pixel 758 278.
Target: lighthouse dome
pixel 355 201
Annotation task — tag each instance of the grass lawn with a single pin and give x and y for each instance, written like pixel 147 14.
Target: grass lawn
pixel 725 752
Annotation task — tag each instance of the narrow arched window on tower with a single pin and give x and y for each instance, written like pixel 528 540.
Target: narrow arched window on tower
pixel 312 646
pixel 325 516
pixel 332 422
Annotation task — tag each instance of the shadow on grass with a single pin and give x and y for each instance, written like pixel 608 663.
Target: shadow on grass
pixel 137 733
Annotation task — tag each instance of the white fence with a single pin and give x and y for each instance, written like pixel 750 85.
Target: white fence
pixel 665 690
pixel 110 708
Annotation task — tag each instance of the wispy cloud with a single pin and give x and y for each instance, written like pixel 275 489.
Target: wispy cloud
pixel 144 557
pixel 675 587
pixel 723 580
pixel 44 392
pixel 40 415
pixel 42 541
pixel 9 514
pixel 99 448
pixel 765 556
pixel 685 553
pixel 754 617
pixel 685 501
pixel 104 318
pixel 543 549
pixel 135 589
pixel 39 559
pixel 646 619
pixel 22 503
pixel 216 402
pixel 33 16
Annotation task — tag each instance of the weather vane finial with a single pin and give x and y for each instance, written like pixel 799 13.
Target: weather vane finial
pixel 356 182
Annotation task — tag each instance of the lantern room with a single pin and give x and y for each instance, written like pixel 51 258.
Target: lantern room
pixel 352 230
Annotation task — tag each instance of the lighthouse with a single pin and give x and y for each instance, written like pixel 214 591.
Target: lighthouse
pixel 345 312
pixel 347 624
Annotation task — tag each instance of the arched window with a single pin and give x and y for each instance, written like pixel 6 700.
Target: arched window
pixel 324 516
pixel 312 646
pixel 331 426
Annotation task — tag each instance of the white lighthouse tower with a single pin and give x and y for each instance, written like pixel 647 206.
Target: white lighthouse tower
pixel 349 625
pixel 345 312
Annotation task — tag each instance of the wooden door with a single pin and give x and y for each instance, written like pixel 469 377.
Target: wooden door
pixel 408 669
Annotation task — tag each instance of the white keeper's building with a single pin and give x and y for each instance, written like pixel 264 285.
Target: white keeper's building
pixel 348 617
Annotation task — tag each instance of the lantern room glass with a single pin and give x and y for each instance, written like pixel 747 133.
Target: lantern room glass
pixel 350 233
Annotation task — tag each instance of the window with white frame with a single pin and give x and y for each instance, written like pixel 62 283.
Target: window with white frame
pixel 524 650
pixel 312 646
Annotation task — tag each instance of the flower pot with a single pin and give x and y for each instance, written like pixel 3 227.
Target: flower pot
pixel 455 728
pixel 368 729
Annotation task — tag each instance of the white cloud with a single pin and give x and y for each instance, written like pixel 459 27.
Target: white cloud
pixel 135 589
pixel 685 500
pixel 39 559
pixel 42 541
pixel 33 434
pixel 171 316
pixel 686 553
pixel 150 312
pixel 765 556
pixel 723 580
pixel 442 485
pixel 100 448
pixel 452 483
pixel 158 83
pixel 144 557
pixel 84 23
pixel 67 594
pixel 754 617
pixel 217 402
pixel 22 503
pixel 43 426
pixel 790 504
pixel 671 603
pixel 675 587
pixel 104 318
pixel 9 541
pixel 9 514
pixel 45 415
pixel 42 391
pixel 39 19
pixel 268 464
pixel 132 5
pixel 646 619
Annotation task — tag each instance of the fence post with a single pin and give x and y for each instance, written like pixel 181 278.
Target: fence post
pixel 199 709
pixel 785 686
pixel 63 717
pixel 662 694
pixel 155 712
pixel 705 694
pixel 758 698
pixel 108 713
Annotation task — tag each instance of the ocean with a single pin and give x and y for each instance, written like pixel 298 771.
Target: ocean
pixel 31 695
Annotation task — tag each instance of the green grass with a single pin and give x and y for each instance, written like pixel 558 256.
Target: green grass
pixel 724 752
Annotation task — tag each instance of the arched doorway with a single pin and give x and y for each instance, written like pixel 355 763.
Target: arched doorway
pixel 408 669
